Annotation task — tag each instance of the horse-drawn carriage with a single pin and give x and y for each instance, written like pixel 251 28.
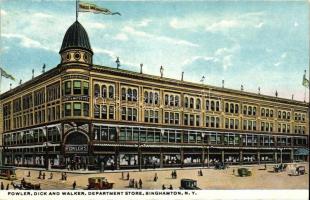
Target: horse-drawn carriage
pixel 99 183
pixel 24 185
pixel 280 168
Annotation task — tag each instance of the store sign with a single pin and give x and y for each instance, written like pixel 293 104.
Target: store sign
pixel 76 148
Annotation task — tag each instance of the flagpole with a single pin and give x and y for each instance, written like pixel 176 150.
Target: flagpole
pixel 76 10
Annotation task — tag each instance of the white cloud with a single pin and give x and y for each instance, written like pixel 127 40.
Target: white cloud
pixel 3 12
pixel 96 25
pixel 222 25
pixel 296 24
pixel 132 31
pixel 26 41
pixel 41 15
pixel 108 52
pixel 144 22
pixel 219 23
pixel 283 55
pixel 121 37
pixel 195 58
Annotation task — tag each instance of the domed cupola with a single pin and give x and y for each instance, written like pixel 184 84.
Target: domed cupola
pixel 75 45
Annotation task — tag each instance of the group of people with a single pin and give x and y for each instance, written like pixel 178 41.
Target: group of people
pixel 7 186
pixel 174 174
pixel 41 175
pixel 127 177
pixel 135 184
pixel 164 187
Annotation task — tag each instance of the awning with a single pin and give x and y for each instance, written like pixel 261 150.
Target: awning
pixel 302 152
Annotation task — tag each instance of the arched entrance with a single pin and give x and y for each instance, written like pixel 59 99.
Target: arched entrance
pixel 76 150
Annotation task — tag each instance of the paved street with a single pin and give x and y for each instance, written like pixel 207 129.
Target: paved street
pixel 211 179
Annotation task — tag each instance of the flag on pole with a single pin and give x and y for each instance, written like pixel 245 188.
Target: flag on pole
pixel 89 7
pixel 6 75
pixel 305 81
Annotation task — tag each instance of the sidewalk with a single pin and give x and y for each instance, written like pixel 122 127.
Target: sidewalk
pixel 81 171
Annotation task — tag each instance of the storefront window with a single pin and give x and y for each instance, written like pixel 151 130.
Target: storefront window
pixel 77 109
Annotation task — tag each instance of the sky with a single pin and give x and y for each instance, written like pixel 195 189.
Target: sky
pixel 255 44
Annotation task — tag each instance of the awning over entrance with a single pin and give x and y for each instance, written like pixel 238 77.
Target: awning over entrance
pixel 302 152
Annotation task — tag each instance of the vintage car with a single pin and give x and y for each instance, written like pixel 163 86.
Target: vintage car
pixel 300 170
pixel 244 172
pixel 99 183
pixel 280 168
pixel 29 186
pixel 189 184
pixel 8 172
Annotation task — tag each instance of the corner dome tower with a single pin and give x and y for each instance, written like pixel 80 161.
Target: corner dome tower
pixel 75 46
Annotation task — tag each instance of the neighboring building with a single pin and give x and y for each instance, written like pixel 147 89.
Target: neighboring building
pixel 79 114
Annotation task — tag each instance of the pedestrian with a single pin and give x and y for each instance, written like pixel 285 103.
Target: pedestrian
pixel 265 166
pixel 163 187
pixel 136 184
pixel 43 175
pixel 74 185
pixel 65 176
pixel 155 177
pixel 140 183
pixel 128 176
pixel 28 174
pixel 122 175
pixel 51 175
pixel 7 186
pixel 233 171
pixel 170 187
pixel 2 186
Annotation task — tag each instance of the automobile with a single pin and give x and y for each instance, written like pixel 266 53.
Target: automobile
pixel 220 166
pixel 244 172
pixel 24 185
pixel 99 183
pixel 189 184
pixel 301 170
pixel 8 172
pixel 280 168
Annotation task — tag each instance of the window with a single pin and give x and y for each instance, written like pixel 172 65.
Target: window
pixel 166 117
pixel 185 119
pixel 177 101
pixel 123 113
pixel 231 123
pixel 171 118
pixel 151 98
pixel 111 112
pixel 156 98
pixel 263 112
pixel 104 114
pixel 86 109
pixel 267 112
pixel 217 106
pixel 186 102
pixel 197 120
pixel 77 111
pixel 124 94
pixel 166 99
pixel 151 116
pixel 146 97
pixel 226 123
pixel 171 100
pixel 250 110
pixel 77 87
pixel 198 104
pixel 156 116
pixel 244 110
pixel 236 108
pixel 288 115
pixel 226 107
pixel 207 121
pixel 97 90
pixel 134 95
pixel 85 88
pixel 217 122
pixel 129 94
pixel 176 118
pixel 212 106
pixel 191 120
pixel 271 113
pixel 236 124
pixel 111 92
pixel 254 111
pixel 207 104
pixel 104 91
pixel 129 117
pixel 146 115
pixel 67 87
pixel 191 103
pixel 231 108
pixel 96 111
pixel 134 117
pixel 68 109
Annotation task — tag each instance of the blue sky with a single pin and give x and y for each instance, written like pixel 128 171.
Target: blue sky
pixel 256 44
